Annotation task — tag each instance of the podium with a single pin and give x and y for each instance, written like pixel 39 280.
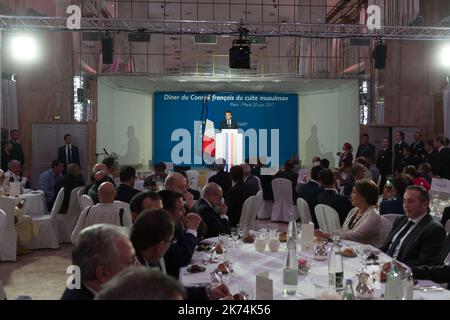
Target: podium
pixel 230 146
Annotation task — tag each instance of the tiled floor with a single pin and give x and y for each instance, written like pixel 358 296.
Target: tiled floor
pixel 42 274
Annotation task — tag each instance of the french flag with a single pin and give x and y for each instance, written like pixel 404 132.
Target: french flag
pixel 209 136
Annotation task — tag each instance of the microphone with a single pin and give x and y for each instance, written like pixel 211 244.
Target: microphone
pixel 106 152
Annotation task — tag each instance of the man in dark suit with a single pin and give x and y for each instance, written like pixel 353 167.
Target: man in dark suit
pixel 399 138
pixel 70 181
pixel 418 147
pixel 251 183
pixel 365 149
pixel 17 151
pixel 102 251
pixel 384 162
pixel 126 191
pixel 180 253
pixel 68 153
pixel 442 157
pixel 330 197
pixel 440 272
pixel 408 159
pixel 222 178
pixel 287 173
pixel 236 196
pixel 393 199
pixel 216 222
pixel 415 239
pixel 310 191
pixel 228 123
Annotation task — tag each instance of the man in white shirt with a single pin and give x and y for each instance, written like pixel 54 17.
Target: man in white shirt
pixel 13 175
pixel 106 211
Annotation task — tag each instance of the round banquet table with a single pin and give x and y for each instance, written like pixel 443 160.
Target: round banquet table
pixel 247 263
pixel 35 202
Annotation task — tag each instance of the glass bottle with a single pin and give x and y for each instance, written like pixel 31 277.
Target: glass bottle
pixel 336 266
pixel 394 283
pixel 292 231
pixel 290 269
pixel 348 293
pixel 408 285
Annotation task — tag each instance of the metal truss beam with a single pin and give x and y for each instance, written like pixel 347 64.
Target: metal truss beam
pixel 58 24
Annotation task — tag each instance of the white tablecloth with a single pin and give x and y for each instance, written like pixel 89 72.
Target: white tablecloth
pixel 247 263
pixel 35 202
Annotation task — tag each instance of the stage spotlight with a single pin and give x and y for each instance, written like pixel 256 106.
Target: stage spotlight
pixel 445 56
pixel 240 51
pixel 24 48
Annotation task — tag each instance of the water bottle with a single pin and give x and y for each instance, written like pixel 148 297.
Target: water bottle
pixel 394 283
pixel 292 232
pixel 348 293
pixel 336 266
pixel 408 285
pixel 290 269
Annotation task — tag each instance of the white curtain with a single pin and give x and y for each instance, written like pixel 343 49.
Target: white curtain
pixel 446 107
pixel 9 105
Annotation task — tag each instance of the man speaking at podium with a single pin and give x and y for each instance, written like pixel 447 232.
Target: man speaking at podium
pixel 228 123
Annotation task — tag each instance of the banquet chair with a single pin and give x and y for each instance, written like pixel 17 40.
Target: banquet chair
pixel 259 183
pixel 192 177
pixel 79 194
pixel 391 216
pixel 303 208
pixel 263 207
pixel 386 227
pixel 124 205
pixel 86 201
pixel 327 217
pixel 248 214
pixel 48 236
pixel 8 234
pixel 67 221
pixel 282 200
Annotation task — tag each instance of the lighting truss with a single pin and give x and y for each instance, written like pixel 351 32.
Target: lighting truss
pixel 224 28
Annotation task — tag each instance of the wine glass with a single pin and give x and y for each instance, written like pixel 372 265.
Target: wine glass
pixel 363 252
pixel 223 240
pixel 235 235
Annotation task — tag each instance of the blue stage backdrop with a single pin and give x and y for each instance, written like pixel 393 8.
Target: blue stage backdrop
pixel 258 111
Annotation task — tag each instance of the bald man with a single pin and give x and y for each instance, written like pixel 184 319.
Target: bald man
pixel 106 211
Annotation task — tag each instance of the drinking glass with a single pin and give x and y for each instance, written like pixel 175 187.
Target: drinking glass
pixel 223 240
pixel 363 252
pixel 246 290
pixel 235 235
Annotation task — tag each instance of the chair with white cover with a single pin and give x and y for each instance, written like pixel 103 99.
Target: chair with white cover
pixel 386 227
pixel 259 183
pixel 248 214
pixel 192 179
pixel 124 205
pixel 48 236
pixel 8 234
pixel 86 201
pixel 67 221
pixel 263 207
pixel 210 174
pixel 303 209
pixel 328 218
pixel 447 226
pixel 392 216
pixel 79 194
pixel 282 200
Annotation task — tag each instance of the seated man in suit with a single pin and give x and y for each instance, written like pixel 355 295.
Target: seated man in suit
pixel 330 196
pixel 102 251
pixel 310 191
pixel 415 239
pixel 287 173
pixel 237 195
pixel 70 181
pixel 228 123
pixel 393 200
pixel 160 175
pixel 106 211
pixel 251 182
pixel 222 178
pixel 143 201
pixel 152 235
pixel 186 225
pixel 216 221
pixel 126 191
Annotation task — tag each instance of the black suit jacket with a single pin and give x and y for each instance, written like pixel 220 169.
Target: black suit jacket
pixel 223 125
pixel 180 254
pixel 365 150
pixel 77 294
pixel 418 150
pixel 309 192
pixel 421 245
pixel 252 185
pixel 443 162
pixel 212 219
pixel 17 153
pixel 223 179
pixel 338 202
pixel 384 162
pixel 410 161
pixel 125 193
pixel 398 155
pixel 68 182
pixel 235 200
pixel 62 156
pixel 438 273
pixel 431 158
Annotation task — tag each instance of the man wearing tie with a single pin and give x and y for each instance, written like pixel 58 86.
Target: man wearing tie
pixel 68 153
pixel 228 123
